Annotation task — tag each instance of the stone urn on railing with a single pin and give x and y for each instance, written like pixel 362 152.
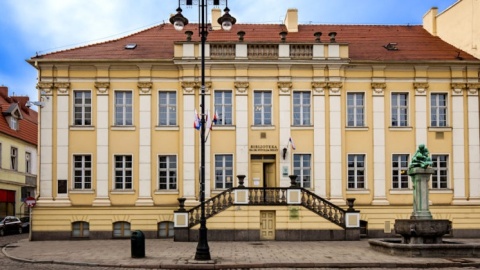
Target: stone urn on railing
pixel 293 181
pixel 241 179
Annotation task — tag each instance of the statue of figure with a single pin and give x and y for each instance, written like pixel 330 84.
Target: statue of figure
pixel 421 158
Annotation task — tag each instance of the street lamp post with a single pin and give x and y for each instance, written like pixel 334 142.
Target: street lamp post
pixel 179 21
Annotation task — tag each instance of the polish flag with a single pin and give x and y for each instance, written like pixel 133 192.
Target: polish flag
pixel 196 121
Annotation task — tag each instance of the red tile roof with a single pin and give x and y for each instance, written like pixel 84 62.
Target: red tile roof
pixel 365 42
pixel 27 127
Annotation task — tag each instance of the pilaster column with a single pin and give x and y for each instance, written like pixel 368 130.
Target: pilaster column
pixel 319 140
pixel 46 145
pixel 190 171
pixel 336 154
pixel 285 92
pixel 102 197
pixel 458 135
pixel 421 120
pixel 473 142
pixel 208 144
pixel 241 128
pixel 379 187
pixel 145 147
pixel 62 157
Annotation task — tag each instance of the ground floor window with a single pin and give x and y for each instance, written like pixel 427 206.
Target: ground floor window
pixel 399 171
pixel 223 171
pixel 302 169
pixel 121 229
pixel 165 229
pixel 80 229
pixel 356 171
pixel 440 175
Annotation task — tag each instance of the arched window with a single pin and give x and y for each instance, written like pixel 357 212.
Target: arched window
pixel 165 229
pixel 80 229
pixel 121 229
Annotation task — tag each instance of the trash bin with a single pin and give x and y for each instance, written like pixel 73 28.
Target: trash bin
pixel 138 244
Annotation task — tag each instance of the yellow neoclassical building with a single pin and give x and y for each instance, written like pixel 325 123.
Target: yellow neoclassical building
pixel 343 107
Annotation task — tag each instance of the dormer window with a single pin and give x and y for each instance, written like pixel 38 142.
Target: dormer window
pixel 13 123
pixel 13 115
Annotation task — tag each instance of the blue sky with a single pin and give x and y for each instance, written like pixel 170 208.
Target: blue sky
pixel 31 26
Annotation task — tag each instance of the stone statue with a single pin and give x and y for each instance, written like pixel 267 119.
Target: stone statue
pixel 421 158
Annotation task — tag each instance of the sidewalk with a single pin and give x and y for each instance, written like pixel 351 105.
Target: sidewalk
pixel 166 254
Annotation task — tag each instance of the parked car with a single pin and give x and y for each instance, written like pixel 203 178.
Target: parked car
pixel 10 224
pixel 25 224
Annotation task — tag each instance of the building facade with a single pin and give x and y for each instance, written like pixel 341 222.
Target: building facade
pixel 18 154
pixel 343 110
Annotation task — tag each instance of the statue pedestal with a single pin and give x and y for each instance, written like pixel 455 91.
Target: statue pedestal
pixel 420 178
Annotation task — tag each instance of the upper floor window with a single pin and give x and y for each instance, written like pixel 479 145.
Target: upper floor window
pixel 167 108
pixel 262 105
pixel 121 229
pixel 223 107
pixel 28 162
pixel 223 171
pixel 123 108
pixel 355 110
pixel 440 175
pixel 82 171
pixel 438 110
pixel 356 171
pixel 83 108
pixel 13 122
pixel 302 168
pixel 400 171
pixel 167 172
pixel 14 159
pixel 399 109
pixel 80 229
pixel 301 108
pixel 123 172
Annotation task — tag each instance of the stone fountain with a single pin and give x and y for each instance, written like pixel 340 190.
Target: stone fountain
pixel 422 236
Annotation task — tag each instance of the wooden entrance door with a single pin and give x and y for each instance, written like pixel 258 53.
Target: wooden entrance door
pixel 267 225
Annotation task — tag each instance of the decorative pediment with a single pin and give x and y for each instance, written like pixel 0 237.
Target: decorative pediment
pixel 241 87
pixel 319 87
pixel 62 87
pixel 473 88
pixel 379 88
pixel 102 87
pixel 46 87
pixel 284 87
pixel 145 87
pixel 420 88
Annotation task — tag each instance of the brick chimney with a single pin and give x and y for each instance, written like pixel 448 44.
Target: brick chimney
pixel 216 13
pixel 4 91
pixel 291 20
pixel 430 21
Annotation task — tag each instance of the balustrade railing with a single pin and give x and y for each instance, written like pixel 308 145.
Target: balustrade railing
pixel 323 208
pixel 301 51
pixel 263 196
pixel 213 206
pixel 222 51
pixel 262 51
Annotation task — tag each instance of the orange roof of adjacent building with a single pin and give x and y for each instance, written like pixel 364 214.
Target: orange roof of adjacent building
pixel 366 42
pixel 27 126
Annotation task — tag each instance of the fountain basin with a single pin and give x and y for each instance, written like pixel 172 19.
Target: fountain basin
pixel 422 231
pixel 446 249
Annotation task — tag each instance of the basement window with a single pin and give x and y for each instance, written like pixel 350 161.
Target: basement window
pixel 391 46
pixel 131 46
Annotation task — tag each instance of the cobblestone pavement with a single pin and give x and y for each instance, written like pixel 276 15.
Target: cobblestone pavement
pixel 19 253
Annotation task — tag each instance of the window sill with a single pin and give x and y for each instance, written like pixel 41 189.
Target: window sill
pixel 358 191
pixel 122 192
pixel 401 191
pixel 166 192
pixel 224 127
pixel 82 128
pixel 302 127
pixel 131 128
pixel 81 191
pixel 259 127
pixel 356 128
pixel 173 128
pixel 441 191
pixel 440 129
pixel 400 128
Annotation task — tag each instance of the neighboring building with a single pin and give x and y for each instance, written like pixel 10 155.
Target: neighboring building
pixel 118 147
pixel 18 153
pixel 458 25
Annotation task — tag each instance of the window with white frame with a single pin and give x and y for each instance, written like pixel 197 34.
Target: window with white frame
pixel 80 229
pixel 167 108
pixel 223 171
pixel 223 107
pixel 82 171
pixel 440 175
pixel 262 106
pixel 355 110
pixel 399 110
pixel 438 110
pixel 121 229
pixel 82 108
pixel 165 229
pixel 123 108
pixel 167 172
pixel 356 171
pixel 302 168
pixel 400 171
pixel 301 108
pixel 28 162
pixel 14 159
pixel 13 122
pixel 123 172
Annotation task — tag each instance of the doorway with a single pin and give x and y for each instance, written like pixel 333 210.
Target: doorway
pixel 263 171
pixel 267 225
